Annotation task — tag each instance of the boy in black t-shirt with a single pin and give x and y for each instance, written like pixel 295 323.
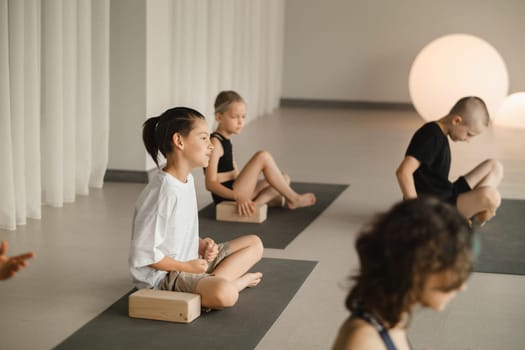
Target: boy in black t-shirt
pixel 426 165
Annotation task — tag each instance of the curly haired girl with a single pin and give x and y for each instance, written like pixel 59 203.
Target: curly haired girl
pixel 419 252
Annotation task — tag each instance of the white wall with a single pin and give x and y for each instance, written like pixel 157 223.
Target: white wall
pixel 158 61
pixel 140 76
pixel 127 84
pixel 363 50
pixel 167 53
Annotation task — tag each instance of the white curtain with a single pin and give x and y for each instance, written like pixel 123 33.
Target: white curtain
pixel 54 86
pixel 226 45
pixel 54 103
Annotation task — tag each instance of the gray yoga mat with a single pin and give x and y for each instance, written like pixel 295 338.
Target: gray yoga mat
pixel 503 240
pixel 282 224
pixel 239 327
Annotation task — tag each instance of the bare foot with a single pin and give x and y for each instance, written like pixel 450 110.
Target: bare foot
pixel 248 280
pixel 484 216
pixel 302 200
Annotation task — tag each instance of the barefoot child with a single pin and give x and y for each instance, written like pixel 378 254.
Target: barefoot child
pixel 227 182
pixel 419 252
pixel 426 165
pixel 166 251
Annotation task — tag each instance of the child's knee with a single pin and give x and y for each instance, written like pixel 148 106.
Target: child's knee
pixel 263 155
pixel 495 166
pixel 491 197
pixel 226 295
pixel 256 244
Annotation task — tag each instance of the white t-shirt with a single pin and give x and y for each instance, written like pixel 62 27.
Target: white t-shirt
pixel 165 223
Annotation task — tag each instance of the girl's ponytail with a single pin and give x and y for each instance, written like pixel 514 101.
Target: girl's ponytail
pixel 157 132
pixel 148 136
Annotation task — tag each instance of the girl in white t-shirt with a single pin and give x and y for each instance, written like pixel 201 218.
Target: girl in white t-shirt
pixel 166 251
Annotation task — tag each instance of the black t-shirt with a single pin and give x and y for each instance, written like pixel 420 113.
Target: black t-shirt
pixel 430 146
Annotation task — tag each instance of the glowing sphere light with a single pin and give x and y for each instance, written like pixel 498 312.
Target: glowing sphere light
pixel 512 111
pixel 454 66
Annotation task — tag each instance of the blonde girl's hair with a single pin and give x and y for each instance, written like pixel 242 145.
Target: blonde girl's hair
pixel 225 99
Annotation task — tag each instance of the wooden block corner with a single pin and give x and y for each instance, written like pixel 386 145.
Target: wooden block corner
pixel 164 305
pixel 227 211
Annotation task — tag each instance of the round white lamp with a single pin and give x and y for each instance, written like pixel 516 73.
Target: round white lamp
pixel 454 66
pixel 512 111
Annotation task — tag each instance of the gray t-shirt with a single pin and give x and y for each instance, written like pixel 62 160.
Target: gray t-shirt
pixel 165 223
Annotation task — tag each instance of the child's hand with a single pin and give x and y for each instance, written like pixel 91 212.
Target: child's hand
pixel 245 207
pixel 196 266
pixel 10 265
pixel 211 251
pixel 203 243
pixel 208 249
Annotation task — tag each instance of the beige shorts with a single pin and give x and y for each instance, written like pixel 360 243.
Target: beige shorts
pixel 187 282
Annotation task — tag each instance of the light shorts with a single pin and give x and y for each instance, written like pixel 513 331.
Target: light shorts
pixel 187 282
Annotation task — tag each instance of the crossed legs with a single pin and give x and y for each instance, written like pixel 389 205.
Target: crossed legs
pixel 264 193
pixel 230 277
pixel 247 185
pixel 484 199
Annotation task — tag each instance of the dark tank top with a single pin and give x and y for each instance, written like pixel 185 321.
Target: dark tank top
pixel 226 161
pixel 383 332
pixel 225 164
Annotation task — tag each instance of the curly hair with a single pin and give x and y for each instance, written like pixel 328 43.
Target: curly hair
pixel 401 248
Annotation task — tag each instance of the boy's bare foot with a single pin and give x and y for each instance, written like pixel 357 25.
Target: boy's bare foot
pixel 248 280
pixel 482 217
pixel 302 200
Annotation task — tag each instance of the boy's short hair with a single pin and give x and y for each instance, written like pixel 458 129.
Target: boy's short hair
pixel 471 108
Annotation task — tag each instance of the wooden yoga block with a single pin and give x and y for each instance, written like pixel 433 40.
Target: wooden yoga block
pixel 164 305
pixel 227 211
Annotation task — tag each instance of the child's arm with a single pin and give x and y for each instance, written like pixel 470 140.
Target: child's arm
pixel 213 182
pixel 192 266
pixel 405 177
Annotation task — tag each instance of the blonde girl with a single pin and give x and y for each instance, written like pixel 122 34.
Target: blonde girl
pixel 226 181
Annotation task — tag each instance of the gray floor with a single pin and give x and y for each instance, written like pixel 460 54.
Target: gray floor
pixel 82 248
